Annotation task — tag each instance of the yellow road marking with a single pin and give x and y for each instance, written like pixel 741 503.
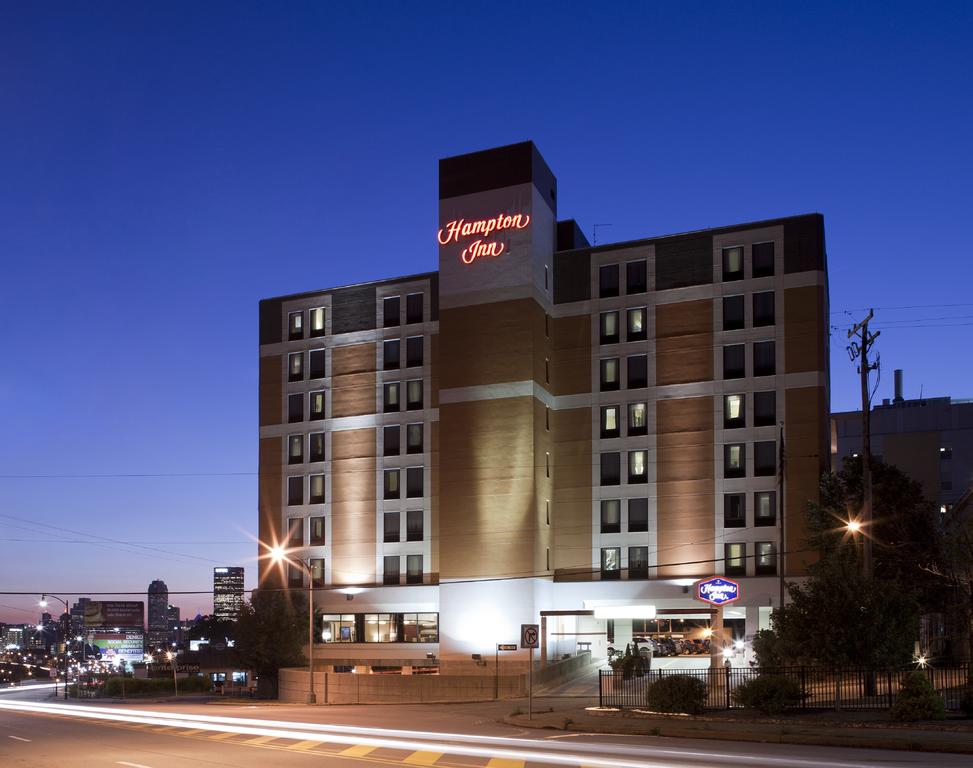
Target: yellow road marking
pixel 260 740
pixel 423 758
pixel 191 732
pixel 226 735
pixel 162 729
pixel 502 762
pixel 307 744
pixel 359 750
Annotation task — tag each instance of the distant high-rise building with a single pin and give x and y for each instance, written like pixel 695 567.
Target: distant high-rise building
pixel 227 592
pixel 158 629
pixel 77 616
pixel 175 630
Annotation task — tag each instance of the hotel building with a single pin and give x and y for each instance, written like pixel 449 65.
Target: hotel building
pixel 543 427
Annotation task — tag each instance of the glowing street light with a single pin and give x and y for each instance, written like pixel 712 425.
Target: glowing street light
pixel 279 556
pixel 854 526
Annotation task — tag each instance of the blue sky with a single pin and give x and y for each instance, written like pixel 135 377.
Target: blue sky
pixel 163 166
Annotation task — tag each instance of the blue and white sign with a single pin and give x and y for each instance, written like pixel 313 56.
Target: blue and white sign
pixel 717 591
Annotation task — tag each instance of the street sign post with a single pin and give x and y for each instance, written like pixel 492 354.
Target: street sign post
pixel 530 638
pixel 507 647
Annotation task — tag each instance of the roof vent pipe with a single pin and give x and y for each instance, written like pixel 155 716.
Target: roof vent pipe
pixel 898 386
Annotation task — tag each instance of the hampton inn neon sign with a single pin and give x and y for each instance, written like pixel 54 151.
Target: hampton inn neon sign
pixel 458 230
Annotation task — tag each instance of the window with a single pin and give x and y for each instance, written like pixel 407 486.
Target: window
pixel 391 353
pixel 317 321
pixel 413 483
pixel 413 438
pixel 638 515
pixel 295 449
pixel 390 570
pixel 765 508
pixel 295 490
pixel 338 628
pixel 318 364
pixel 635 326
pixel 733 263
pixel 735 559
pixel 733 412
pixel 635 277
pixel 734 361
pixel 547 464
pixel 611 562
pixel 390 311
pixel 765 458
pixel 317 405
pixel 413 351
pixel 637 423
pixel 390 440
pixel 392 490
pixel 609 421
pixel 390 397
pixel 295 366
pixel 766 558
pixel 315 494
pixel 413 569
pixel 764 358
pixel 413 308
pixel 295 532
pixel 317 571
pixel 637 467
pixel 638 562
pixel 611 468
pixel 391 527
pixel 734 510
pixel 764 408
pixel 547 418
pixel 413 525
pixel 608 281
pixel 316 446
pixel 763 308
pixel 609 327
pixel 732 313
pixel 295 325
pixel 547 370
pixel 547 276
pixel 316 527
pixel 945 453
pixel 413 391
pixel 735 460
pixel 295 408
pixel 611 516
pixel 762 257
pixel 295 575
pixel 609 374
pixel 638 371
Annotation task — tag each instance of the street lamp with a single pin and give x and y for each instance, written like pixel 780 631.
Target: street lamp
pixel 172 660
pixel 43 604
pixel 279 555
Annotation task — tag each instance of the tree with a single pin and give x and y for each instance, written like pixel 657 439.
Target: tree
pixel 213 629
pixel 270 634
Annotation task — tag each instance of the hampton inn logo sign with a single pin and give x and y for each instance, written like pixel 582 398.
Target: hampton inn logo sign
pixel 485 231
pixel 717 591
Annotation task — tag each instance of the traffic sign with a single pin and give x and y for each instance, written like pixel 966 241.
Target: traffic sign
pixel 507 647
pixel 717 591
pixel 529 636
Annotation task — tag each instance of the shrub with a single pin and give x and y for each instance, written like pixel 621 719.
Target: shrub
pixel 136 686
pixel 917 700
pixel 770 694
pixel 677 693
pixel 966 702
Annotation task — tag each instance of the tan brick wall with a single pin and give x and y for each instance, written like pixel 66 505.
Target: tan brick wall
pixel 269 496
pixel 353 380
pixel 571 355
pixel 684 342
pixel 571 505
pixel 805 329
pixel 353 533
pixel 271 382
pixel 807 456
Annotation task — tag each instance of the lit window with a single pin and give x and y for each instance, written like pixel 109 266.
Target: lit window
pixel 317 571
pixel 611 562
pixel 609 374
pixel 315 489
pixel 295 532
pixel 734 460
pixel 609 327
pixel 733 263
pixel 295 449
pixel 637 424
pixel 765 508
pixel 766 552
pixel 733 411
pixel 317 321
pixel 392 490
pixel 316 525
pixel 609 421
pixel 295 325
pixel 295 366
pixel 611 516
pixel 413 569
pixel 390 570
pixel 735 559
pixel 636 325
pixel 413 438
pixel 317 405
pixel 390 397
pixel 414 395
pixel 637 469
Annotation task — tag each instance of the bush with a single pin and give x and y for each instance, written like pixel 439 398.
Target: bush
pixel 136 686
pixel 771 694
pixel 917 700
pixel 677 693
pixel 966 702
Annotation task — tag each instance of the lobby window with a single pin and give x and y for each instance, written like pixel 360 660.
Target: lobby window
pixel 413 351
pixel 765 508
pixel 317 405
pixel 638 562
pixel 315 489
pixel 635 325
pixel 608 281
pixel 764 408
pixel 392 489
pixel 317 321
pixel 735 559
pixel 414 525
pixel 762 260
pixel 316 529
pixel 733 411
pixel 413 308
pixel 734 361
pixel 295 408
pixel 295 366
pixel 733 313
pixel 611 516
pixel 391 527
pixel 295 490
pixel 763 308
pixel 295 532
pixel 638 466
pixel 765 458
pixel 390 569
pixel 295 326
pixel 635 281
pixel 637 419
pixel 391 354
pixel 317 369
pixel 609 374
pixel 609 421
pixel 609 327
pixel 338 628
pixel 295 449
pixel 611 468
pixel 735 460
pixel 413 569
pixel 390 311
pixel 611 562
pixel 638 515
pixel 315 443
pixel 391 440
pixel 733 263
pixel 766 553
pixel 734 510
pixel 413 391
pixel 413 483
pixel 317 571
pixel 390 397
pixel 638 371
pixel 764 358
pixel 413 438
pixel 295 575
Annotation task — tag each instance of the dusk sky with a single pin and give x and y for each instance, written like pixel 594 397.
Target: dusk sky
pixel 163 166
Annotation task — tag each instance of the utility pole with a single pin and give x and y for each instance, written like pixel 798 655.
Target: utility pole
pixel 782 546
pixel 858 349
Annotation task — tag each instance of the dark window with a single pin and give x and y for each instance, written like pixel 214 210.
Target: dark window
pixel 734 411
pixel 315 493
pixel 390 311
pixel 637 421
pixel 318 322
pixel 318 366
pixel 390 569
pixel 609 328
pixel 636 326
pixel 413 351
pixel 735 559
pixel 316 446
pixel 317 571
pixel 764 358
pixel 732 313
pixel 295 326
pixel 295 532
pixel 638 562
pixel 763 308
pixel 413 569
pixel 295 490
pixel 611 516
pixel 295 408
pixel 295 449
pixel 391 528
pixel 734 510
pixel 413 392
pixel 413 438
pixel 413 308
pixel 765 508
pixel 765 458
pixel 766 553
pixel 638 515
pixel 764 408
pixel 635 277
pixel 413 483
pixel 391 441
pixel 390 397
pixel 611 562
pixel 316 400
pixel 392 487
pixel 609 374
pixel 638 371
pixel 295 366
pixel 317 529
pixel 735 460
pixel 638 466
pixel 608 281
pixel 391 354
pixel 733 263
pixel 609 421
pixel 295 575
pixel 611 468
pixel 413 525
pixel 734 361
pixel 762 260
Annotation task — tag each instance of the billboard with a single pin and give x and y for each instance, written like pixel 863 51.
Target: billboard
pixel 115 647
pixel 107 614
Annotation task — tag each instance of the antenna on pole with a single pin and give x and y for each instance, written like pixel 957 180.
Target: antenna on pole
pixel 594 232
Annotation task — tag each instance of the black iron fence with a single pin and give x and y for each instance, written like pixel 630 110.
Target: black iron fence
pixel 851 688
